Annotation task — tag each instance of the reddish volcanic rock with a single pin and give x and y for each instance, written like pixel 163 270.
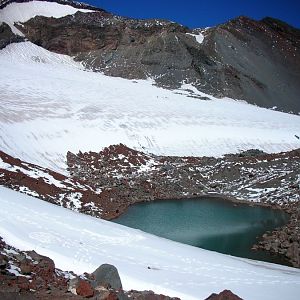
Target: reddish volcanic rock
pixel 49 185
pixel 225 295
pixel 84 289
pixel 44 268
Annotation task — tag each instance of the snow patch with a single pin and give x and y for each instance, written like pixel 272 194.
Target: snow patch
pixel 22 12
pixel 14 270
pixel 199 37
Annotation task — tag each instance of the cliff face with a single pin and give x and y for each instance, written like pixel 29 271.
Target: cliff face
pixel 260 62
pixel 257 61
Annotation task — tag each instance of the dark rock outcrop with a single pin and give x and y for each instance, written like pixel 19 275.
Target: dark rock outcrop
pixel 28 275
pixel 50 186
pixel 259 62
pixel 286 240
pixel 137 176
pixel 7 36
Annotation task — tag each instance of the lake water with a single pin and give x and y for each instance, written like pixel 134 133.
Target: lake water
pixel 208 223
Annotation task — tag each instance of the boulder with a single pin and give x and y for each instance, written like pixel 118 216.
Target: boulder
pixel 107 276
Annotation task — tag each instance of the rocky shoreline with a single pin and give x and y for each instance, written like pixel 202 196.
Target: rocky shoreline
pixel 249 178
pixel 284 240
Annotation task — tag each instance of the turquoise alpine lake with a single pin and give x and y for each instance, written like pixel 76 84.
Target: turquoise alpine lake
pixel 208 223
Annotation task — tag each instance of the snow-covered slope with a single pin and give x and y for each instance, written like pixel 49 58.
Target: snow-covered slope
pixel 22 12
pixel 175 269
pixel 50 105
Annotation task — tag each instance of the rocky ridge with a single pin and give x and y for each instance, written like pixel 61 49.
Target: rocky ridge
pixel 252 175
pixel 215 60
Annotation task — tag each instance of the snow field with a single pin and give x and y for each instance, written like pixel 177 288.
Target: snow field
pixel 50 105
pixel 82 243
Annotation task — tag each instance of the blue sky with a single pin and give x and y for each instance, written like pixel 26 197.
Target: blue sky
pixel 198 13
